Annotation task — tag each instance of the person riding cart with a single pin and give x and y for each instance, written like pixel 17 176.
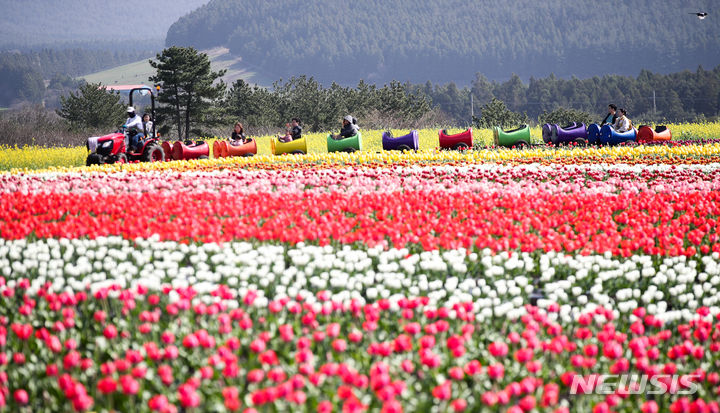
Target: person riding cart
pixel 134 127
pixel 349 128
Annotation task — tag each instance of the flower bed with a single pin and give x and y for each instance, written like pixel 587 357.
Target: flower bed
pixel 681 152
pixel 159 326
pixel 582 209
pixel 509 281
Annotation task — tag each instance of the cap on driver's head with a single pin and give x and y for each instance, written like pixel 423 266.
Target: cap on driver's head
pixel 348 118
pixel 130 109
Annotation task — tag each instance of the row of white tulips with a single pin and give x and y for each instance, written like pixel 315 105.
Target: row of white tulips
pixel 499 285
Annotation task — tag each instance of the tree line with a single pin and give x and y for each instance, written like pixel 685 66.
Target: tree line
pixel 681 96
pixel 192 99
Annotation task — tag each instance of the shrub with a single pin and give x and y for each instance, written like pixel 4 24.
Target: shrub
pixel 496 113
pixel 35 125
pixel 564 116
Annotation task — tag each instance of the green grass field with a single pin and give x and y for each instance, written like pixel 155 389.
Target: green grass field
pixel 141 71
pixel 132 73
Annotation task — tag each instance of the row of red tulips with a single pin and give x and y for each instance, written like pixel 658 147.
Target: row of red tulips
pixel 654 223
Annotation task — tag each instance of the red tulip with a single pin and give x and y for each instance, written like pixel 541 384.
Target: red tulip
pixel 21 397
pixel 523 355
pixel 100 316
pixel 489 399
pixel 206 372
pixel 472 368
pixel 339 345
pixel 601 408
pixel 498 349
pixel 19 358
pixel 590 350
pixel 496 371
pixel 232 404
pixel 129 385
pixel 286 332
pixel 255 375
pixel 527 403
pixel 612 350
pixel 82 402
pixel 443 391
pixel 190 341
pixel 456 373
pixel 324 407
pixel 71 359
pixel 110 332
pixel 189 400
pixel 333 330
pixel 158 403
pixel 139 372
pixel 355 336
pixel 391 406
pixel 257 346
pixel 85 364
pixel 51 370
pixel 459 405
pixel 23 331
pixel 167 337
pixel 106 385
pixel 171 352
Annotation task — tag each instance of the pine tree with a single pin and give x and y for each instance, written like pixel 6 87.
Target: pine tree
pixel 92 106
pixel 188 87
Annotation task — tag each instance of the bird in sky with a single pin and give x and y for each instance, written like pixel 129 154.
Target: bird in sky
pixel 700 15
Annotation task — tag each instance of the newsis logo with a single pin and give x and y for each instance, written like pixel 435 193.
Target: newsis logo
pixel 605 384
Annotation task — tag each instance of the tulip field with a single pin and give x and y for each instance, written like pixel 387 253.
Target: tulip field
pixel 480 281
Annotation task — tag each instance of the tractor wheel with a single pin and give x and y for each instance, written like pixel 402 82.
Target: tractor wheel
pixel 403 148
pixel 153 153
pixel 297 153
pixel 121 158
pixel 521 145
pixel 203 157
pixel 247 155
pixel 94 159
pixel 581 142
pixel 460 146
pixel 349 150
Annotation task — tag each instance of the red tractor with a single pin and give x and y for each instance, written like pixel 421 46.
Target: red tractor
pixel 113 148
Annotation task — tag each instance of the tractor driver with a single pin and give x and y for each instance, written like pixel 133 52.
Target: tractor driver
pixel 134 127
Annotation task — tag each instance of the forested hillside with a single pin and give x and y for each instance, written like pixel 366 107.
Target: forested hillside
pixel 31 22
pixel 419 40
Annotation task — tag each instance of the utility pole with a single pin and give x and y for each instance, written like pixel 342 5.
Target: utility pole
pixel 472 108
pixel 654 107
